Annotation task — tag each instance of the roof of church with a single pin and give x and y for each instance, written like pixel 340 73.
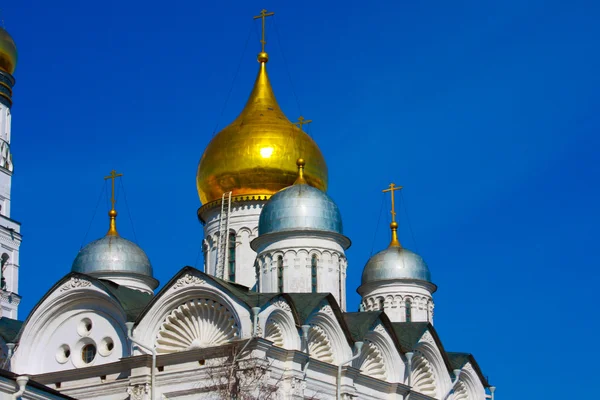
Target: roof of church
pixel 9 329
pixel 55 394
pixel 133 301
pixel 458 360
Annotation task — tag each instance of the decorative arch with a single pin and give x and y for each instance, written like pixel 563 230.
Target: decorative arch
pixel 469 386
pixel 371 361
pixel 380 357
pixel 280 327
pixel 57 323
pixel 325 327
pixel 196 324
pixel 432 368
pixel 423 377
pixel 192 300
pixel 319 346
pixel 460 391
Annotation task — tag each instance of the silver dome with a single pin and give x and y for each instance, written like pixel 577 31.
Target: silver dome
pixel 112 254
pixel 300 206
pixel 395 263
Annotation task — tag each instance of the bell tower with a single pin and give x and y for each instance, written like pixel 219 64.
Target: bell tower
pixel 10 230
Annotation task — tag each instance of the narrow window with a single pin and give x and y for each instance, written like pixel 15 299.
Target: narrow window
pixel 313 272
pixel 257 275
pixel 408 311
pixel 280 274
pixel 231 256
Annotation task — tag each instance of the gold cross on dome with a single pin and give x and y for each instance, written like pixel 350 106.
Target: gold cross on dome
pixel 113 175
pixel 301 121
pixel 263 14
pixel 392 189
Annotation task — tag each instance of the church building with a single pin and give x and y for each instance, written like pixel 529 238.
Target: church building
pixel 265 318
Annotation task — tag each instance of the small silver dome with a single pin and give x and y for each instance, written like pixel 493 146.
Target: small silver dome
pixel 112 254
pixel 300 206
pixel 395 262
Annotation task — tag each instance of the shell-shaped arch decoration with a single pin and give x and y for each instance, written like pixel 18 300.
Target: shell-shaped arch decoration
pixel 371 362
pixel 319 346
pixel 196 324
pixel 460 391
pixel 274 333
pixel 423 376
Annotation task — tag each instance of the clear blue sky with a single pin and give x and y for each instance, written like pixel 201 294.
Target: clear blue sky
pixel 487 113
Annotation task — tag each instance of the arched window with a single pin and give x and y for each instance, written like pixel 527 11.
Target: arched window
pixel 313 272
pixel 231 257
pixel 408 310
pixel 280 274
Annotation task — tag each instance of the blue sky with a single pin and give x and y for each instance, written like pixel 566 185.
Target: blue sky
pixel 486 112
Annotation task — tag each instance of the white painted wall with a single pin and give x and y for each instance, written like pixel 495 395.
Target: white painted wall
pixel 297 249
pixel 243 220
pixel 391 296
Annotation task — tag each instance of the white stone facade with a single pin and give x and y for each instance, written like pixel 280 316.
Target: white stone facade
pixel 402 300
pixel 290 260
pixel 199 330
pixel 243 223
pixel 10 230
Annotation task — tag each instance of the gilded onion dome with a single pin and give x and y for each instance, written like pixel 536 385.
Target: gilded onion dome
pixel 255 154
pixel 8 52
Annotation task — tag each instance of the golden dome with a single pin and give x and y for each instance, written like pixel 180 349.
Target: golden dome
pixel 8 52
pixel 256 154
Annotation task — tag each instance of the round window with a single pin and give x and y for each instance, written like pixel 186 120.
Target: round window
pixel 85 327
pixel 106 346
pixel 88 353
pixel 63 353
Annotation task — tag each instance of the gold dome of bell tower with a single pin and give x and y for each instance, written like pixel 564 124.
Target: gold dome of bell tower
pixel 255 155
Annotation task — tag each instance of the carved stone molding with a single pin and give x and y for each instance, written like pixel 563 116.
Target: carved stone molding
pixel 371 362
pixel 74 283
pixel 319 346
pixel 196 324
pixel 138 392
pixel 282 305
pixel 427 338
pixel 379 328
pixel 423 377
pixel 188 280
pixel 326 308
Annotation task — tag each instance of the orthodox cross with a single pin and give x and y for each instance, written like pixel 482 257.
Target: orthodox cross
pixel 392 189
pixel 301 121
pixel 113 175
pixel 263 14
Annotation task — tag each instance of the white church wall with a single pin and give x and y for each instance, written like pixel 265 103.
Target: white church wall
pixel 77 314
pixel 243 220
pixel 393 297
pixel 297 250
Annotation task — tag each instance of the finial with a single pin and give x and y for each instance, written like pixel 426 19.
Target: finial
pixel 112 214
pixel 263 57
pixel 300 180
pixel 301 121
pixel 394 225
